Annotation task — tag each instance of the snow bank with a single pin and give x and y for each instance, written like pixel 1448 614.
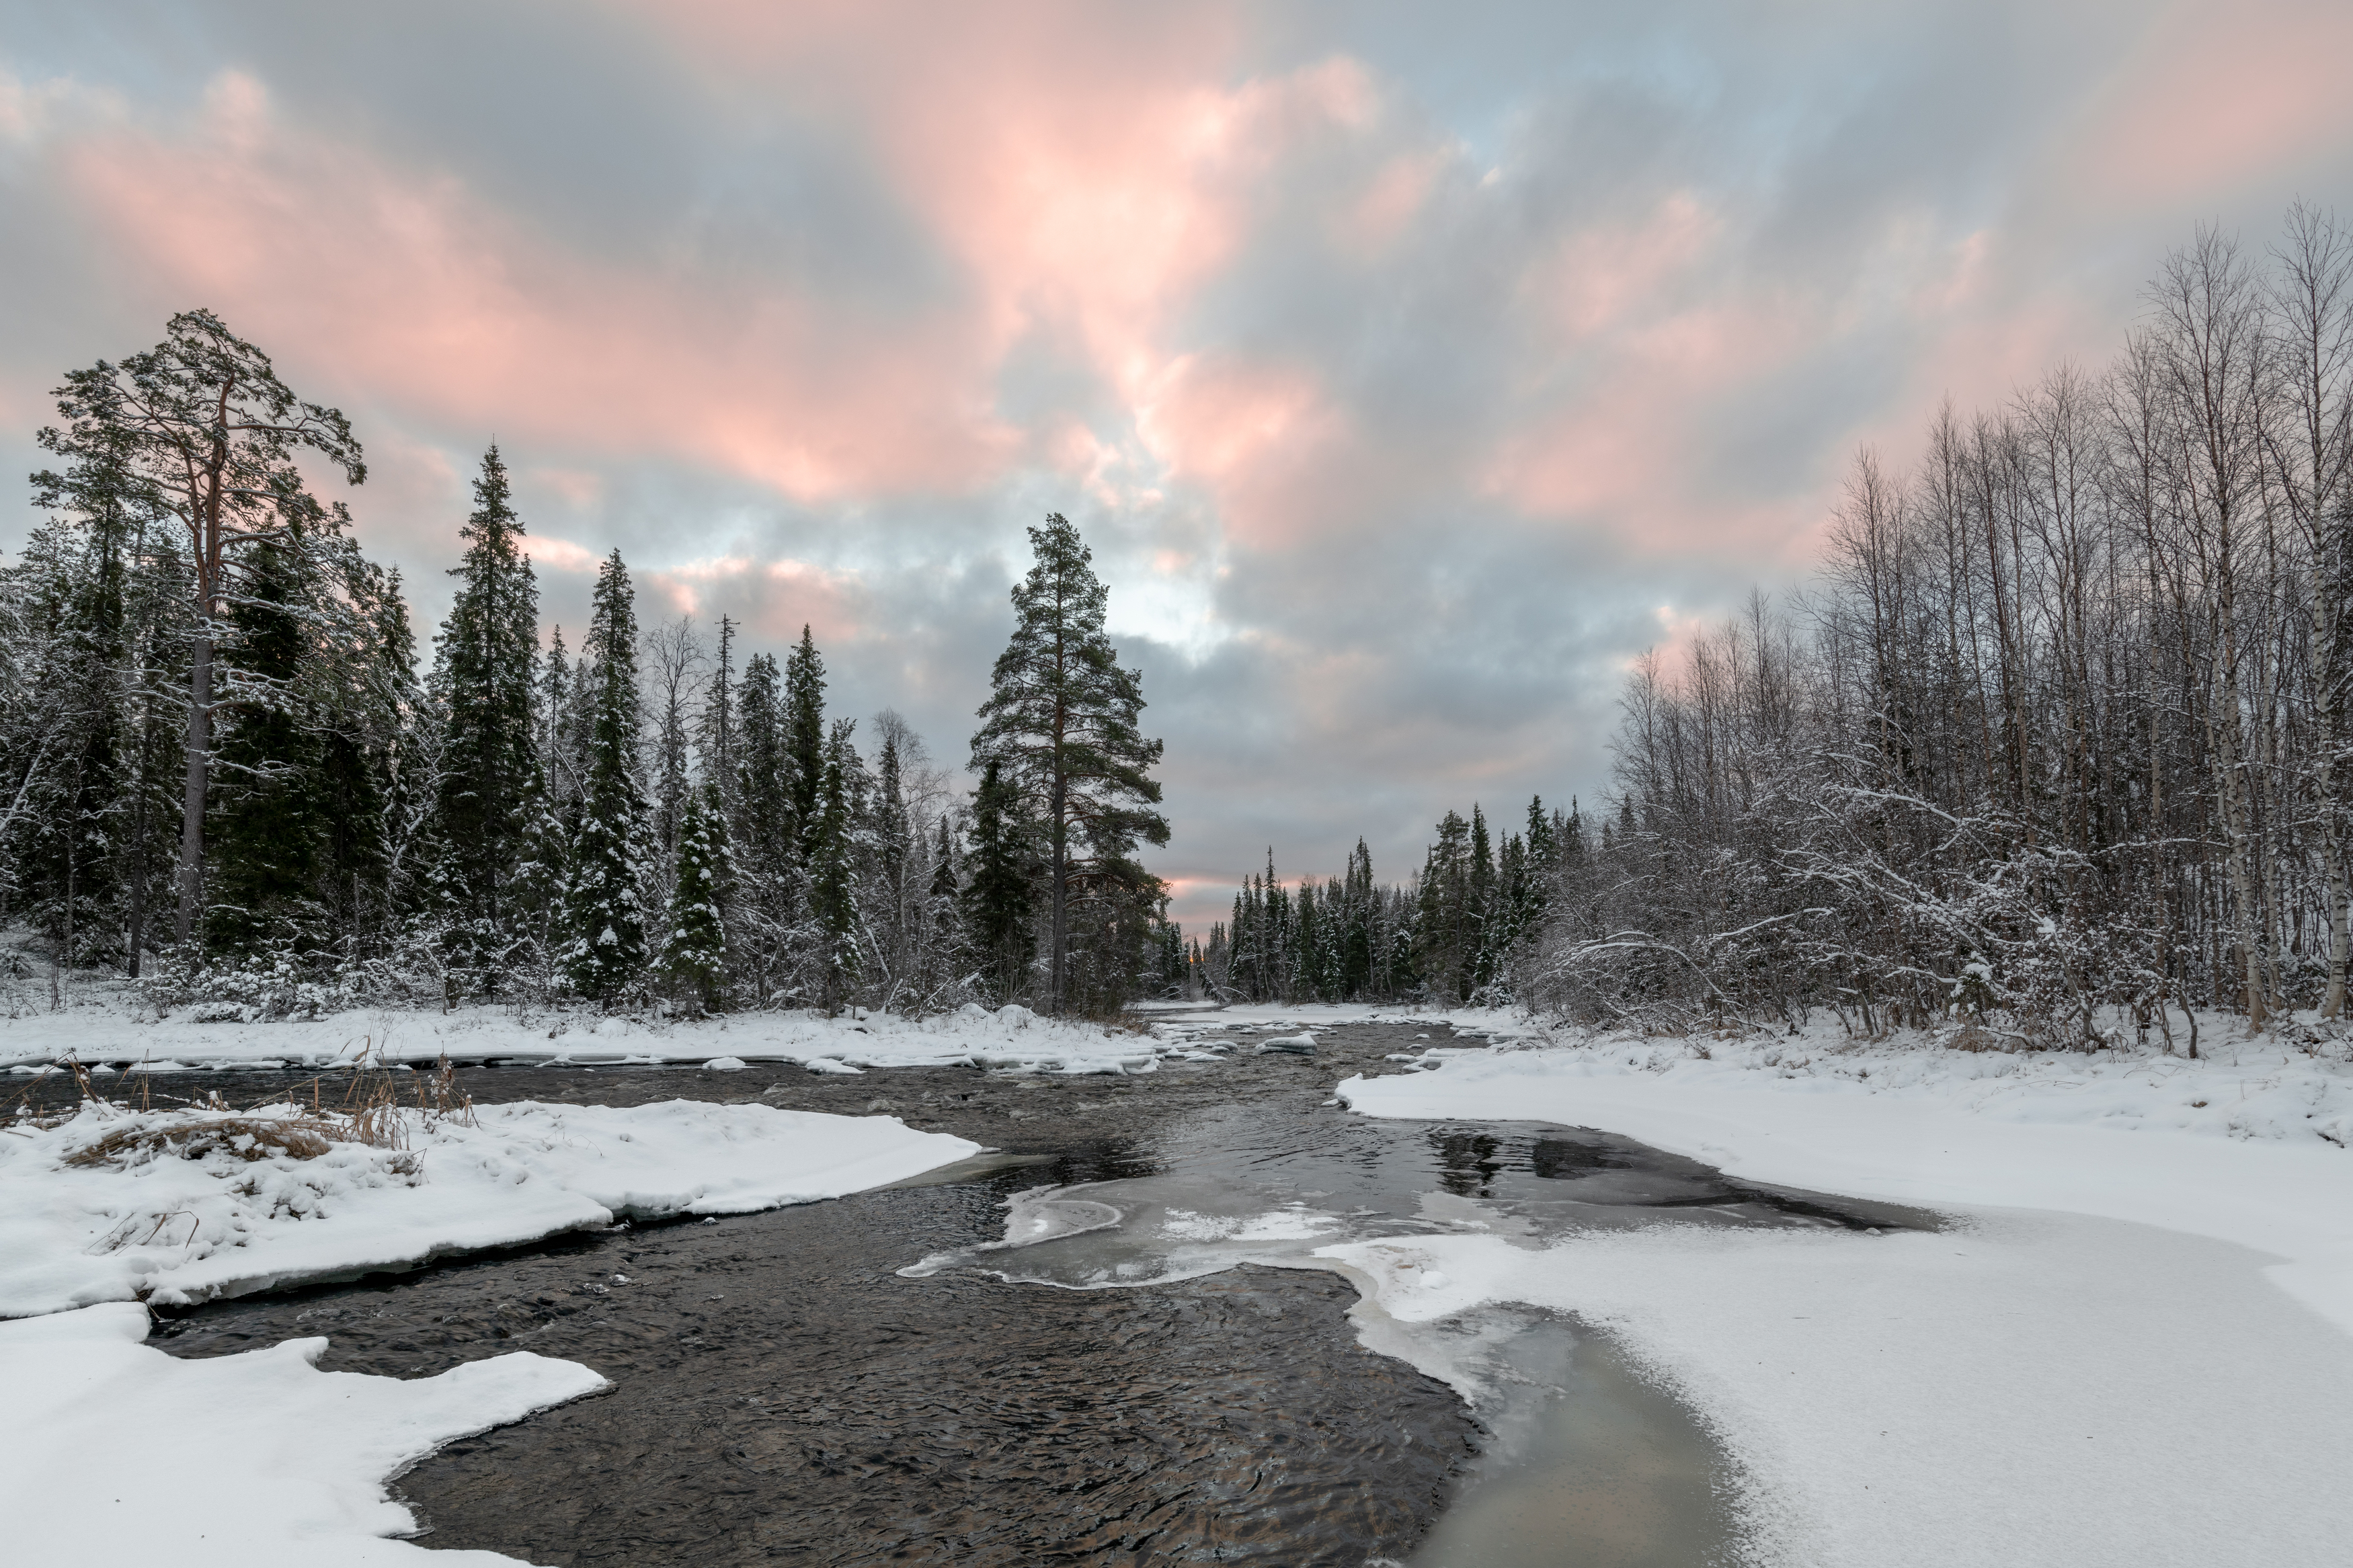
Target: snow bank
pixel 162 1228
pixel 105 1028
pixel 2246 1146
pixel 115 1453
pixel 1496 1023
pixel 2093 1366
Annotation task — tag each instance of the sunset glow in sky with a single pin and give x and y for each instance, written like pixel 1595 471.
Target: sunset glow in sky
pixel 1410 369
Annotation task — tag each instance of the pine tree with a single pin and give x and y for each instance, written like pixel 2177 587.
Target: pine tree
pixel 490 760
pixel 205 433
pixel 604 915
pixel 694 952
pixel 1060 722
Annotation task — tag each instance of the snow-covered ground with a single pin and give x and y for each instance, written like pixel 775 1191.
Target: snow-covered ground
pixel 2132 1345
pixel 109 1026
pixel 267 1200
pixel 113 1452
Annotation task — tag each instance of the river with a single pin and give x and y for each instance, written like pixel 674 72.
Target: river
pixel 1168 1376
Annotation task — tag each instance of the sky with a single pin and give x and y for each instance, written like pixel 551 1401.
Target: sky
pixel 1409 369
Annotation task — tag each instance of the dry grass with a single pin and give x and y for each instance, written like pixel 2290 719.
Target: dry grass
pixel 368 1112
pixel 247 1137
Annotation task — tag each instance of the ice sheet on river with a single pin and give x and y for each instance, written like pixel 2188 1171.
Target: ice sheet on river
pixel 157 1226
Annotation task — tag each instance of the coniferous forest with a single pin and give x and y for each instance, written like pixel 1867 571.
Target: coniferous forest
pixel 233 773
pixel 2054 746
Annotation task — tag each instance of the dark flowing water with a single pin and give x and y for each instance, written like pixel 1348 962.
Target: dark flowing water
pixel 785 1393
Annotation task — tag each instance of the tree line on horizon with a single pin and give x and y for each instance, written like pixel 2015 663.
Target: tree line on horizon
pixel 227 775
pixel 2054 749
pixel 1454 933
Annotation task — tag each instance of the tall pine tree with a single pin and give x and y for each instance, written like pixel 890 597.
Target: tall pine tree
pixel 1060 722
pixel 207 434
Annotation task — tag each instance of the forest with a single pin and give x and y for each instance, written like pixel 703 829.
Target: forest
pixel 2053 749
pixel 231 776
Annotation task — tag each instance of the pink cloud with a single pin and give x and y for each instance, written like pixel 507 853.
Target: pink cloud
pixel 1275 452
pixel 551 554
pixel 1091 169
pixel 407 287
pixel 1384 209
pixel 1609 278
pixel 2214 94
pixel 770 600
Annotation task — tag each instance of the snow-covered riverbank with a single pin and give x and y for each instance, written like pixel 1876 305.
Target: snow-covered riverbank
pixel 115 1452
pixel 175 1206
pixel 2133 1345
pixel 111 1030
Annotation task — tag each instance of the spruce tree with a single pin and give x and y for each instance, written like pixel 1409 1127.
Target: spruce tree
pixel 542 872
pixel 560 762
pixel 489 678
pixel 604 917
pixel 1442 947
pixel 70 590
pixel 944 862
pixel 833 893
pixel 694 949
pixel 804 741
pixel 997 899
pixel 764 827
pixel 716 731
pixel 269 824
pixel 1479 910
pixel 1060 722
pixel 1359 941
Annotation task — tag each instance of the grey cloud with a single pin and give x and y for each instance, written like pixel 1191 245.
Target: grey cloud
pixel 1418 644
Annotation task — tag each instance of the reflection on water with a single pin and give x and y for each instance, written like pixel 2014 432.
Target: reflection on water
pixel 782 1394
pixel 1242 1185
pixel 1584 1461
pixel 1602 1470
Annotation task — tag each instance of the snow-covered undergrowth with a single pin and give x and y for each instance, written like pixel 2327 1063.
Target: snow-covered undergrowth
pixel 2133 1344
pixel 113 1452
pixel 175 1206
pixel 111 1028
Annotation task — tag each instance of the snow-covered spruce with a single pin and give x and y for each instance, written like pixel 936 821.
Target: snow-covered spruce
pixel 183 1205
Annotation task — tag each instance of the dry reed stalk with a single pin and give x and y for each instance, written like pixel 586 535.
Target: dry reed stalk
pixel 247 1137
